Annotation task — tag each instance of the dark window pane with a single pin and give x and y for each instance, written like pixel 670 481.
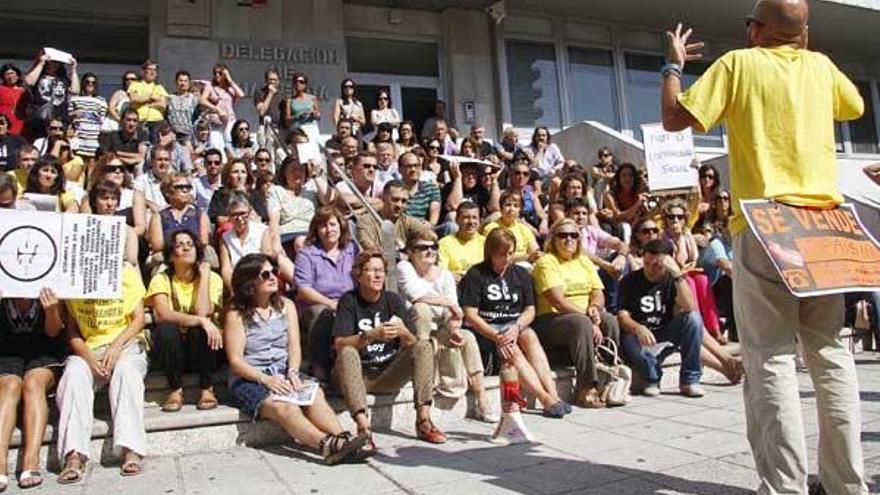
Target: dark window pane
pixel 593 86
pixel 534 87
pixel 404 58
pixel 863 132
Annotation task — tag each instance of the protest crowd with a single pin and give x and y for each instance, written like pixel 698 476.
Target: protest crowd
pixel 260 249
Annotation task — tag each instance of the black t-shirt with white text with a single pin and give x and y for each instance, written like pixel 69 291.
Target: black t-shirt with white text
pixel 651 304
pixel 355 315
pixel 499 299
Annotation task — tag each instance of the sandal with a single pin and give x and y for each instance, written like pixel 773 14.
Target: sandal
pixel 133 466
pixel 30 478
pixel 4 482
pixel 208 400
pixel 174 402
pixel 589 399
pixel 367 450
pixel 335 448
pixel 72 474
pixel 432 434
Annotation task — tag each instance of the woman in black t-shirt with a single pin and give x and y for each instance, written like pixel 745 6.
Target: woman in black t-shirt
pixel 31 351
pixel 498 300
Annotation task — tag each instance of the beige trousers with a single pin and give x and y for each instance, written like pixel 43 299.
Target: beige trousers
pixel 770 321
pixel 76 401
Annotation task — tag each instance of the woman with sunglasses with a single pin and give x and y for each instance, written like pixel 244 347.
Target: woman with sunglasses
pixel 261 338
pixel 519 180
pixel 646 230
pixel 436 314
pixel 348 106
pixel 87 112
pixel 241 145
pixel 527 249
pixel 721 207
pixel 407 140
pixel 180 214
pixel 302 110
pixel 119 101
pixel 571 307
pixel 217 99
pixel 432 169
pixel 186 298
pixel 46 178
pixel 686 254
pixel 246 236
pixel 132 204
pixel 384 113
pixel 709 184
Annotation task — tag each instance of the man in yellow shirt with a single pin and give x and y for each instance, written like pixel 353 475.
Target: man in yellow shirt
pixel 463 249
pixel 149 97
pixel 779 102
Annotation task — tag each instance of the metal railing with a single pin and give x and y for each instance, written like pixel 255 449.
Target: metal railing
pixel 389 234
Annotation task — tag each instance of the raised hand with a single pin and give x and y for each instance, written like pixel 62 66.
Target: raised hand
pixel 678 51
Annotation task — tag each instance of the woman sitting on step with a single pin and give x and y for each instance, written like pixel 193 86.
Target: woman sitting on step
pixel 262 346
pixel 185 297
pixel 30 360
pixel 106 339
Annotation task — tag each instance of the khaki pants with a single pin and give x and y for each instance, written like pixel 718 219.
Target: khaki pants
pixel 414 363
pixel 769 320
pixel 76 401
pixel 454 364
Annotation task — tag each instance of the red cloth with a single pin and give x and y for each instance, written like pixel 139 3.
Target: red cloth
pixel 12 105
pixel 511 397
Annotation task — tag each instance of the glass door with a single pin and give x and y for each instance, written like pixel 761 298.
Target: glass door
pixel 413 97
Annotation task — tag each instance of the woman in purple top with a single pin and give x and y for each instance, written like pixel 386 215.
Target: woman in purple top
pixel 322 274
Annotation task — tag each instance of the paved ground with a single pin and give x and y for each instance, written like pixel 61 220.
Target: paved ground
pixel 665 445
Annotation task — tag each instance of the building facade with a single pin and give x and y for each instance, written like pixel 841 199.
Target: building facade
pixel 524 63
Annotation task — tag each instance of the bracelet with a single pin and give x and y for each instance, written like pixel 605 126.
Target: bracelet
pixel 672 68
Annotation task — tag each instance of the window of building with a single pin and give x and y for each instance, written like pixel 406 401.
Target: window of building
pixel 381 56
pixel 533 84
pixel 593 86
pixel 863 131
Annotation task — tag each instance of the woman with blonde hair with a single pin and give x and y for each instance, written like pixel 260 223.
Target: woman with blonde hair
pixel 571 307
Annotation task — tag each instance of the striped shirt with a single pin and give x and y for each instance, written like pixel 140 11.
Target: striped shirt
pixel 420 203
pixel 87 114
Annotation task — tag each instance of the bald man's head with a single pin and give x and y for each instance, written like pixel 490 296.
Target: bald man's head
pixel 781 21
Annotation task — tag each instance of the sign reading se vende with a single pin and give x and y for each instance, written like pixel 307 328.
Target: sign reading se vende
pixel 816 251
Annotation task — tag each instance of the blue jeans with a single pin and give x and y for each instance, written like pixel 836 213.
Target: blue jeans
pixel 685 332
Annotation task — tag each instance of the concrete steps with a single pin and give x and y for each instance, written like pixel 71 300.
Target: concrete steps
pixel 193 431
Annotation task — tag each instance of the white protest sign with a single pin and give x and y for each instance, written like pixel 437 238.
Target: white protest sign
pixel 308 152
pixel 669 157
pixel 56 55
pixel 79 256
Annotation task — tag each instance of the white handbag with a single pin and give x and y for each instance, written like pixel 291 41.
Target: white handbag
pixel 615 378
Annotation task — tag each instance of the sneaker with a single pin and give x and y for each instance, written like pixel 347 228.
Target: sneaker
pixel 651 390
pixel 693 390
pixel 557 410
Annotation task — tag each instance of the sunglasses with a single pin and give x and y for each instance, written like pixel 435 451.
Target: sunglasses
pixel 383 97
pixel 425 247
pixel 56 128
pixel 262 160
pixel 675 217
pixel 300 81
pixel 267 275
pixel 112 169
pixel 348 86
pixel 182 187
pixel 522 174
pixel 90 81
pixel 243 129
pixel 239 214
pixel 567 235
pixel 724 198
pixel 434 148
pixel 707 176
pixel 649 230
pixel 368 166
pixel 129 79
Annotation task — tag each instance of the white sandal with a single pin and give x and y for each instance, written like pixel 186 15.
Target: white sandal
pixel 30 474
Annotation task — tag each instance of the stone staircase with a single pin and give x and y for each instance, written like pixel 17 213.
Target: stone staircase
pixel 192 431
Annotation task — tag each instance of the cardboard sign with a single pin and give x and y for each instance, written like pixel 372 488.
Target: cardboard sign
pixel 669 158
pixel 816 251
pixel 79 256
pixel 56 55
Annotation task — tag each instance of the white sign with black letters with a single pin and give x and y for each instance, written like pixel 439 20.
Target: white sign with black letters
pixel 669 158
pixel 78 256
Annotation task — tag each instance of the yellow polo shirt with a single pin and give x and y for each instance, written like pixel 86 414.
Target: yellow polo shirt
pixel 779 105
pixel 457 256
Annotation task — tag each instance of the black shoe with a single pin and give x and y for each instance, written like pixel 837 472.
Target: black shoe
pixel 816 488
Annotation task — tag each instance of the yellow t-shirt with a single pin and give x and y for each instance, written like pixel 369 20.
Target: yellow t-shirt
pixel 577 277
pixel 521 231
pixel 779 105
pixel 457 256
pixel 185 291
pixel 146 113
pixel 102 320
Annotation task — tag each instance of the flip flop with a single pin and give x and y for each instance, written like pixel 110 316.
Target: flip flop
pixel 30 475
pixel 132 467
pixel 207 403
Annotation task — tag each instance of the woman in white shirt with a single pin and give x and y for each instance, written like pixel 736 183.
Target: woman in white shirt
pixel 245 237
pixel 436 313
